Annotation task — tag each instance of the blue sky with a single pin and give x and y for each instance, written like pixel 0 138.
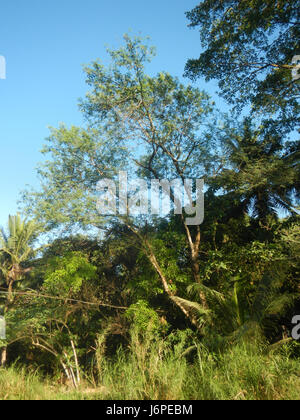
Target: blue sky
pixel 45 44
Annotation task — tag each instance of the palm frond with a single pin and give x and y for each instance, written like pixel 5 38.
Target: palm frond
pixel 193 307
pixel 279 304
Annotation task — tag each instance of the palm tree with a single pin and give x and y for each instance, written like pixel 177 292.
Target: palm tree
pixel 262 174
pixel 236 316
pixel 15 250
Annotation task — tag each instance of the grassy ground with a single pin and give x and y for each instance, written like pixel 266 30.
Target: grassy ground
pixel 19 384
pixel 155 372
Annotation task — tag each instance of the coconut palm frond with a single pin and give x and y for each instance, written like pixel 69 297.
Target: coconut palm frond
pixel 194 307
pixel 16 247
pixel 266 293
pixel 279 304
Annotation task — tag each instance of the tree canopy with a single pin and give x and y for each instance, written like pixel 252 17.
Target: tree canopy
pixel 249 46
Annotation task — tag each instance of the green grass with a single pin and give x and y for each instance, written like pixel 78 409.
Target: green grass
pixel 244 373
pixel 152 371
pixel 21 384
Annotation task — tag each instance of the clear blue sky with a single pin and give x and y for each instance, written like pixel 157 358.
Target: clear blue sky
pixel 45 44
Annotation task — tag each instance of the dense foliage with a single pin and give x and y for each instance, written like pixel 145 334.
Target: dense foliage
pixel 153 306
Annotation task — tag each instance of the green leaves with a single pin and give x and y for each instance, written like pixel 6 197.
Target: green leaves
pixel 260 171
pixel 78 158
pixel 144 319
pixel 66 274
pixel 161 117
pixel 249 46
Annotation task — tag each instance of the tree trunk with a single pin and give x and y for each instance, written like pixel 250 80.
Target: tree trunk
pixel 155 264
pixel 195 248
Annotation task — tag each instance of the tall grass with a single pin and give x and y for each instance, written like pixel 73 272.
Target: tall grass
pixel 153 369
pixel 150 370
pixel 20 384
pixel 243 373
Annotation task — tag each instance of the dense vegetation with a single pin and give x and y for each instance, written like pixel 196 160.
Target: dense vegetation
pixel 147 307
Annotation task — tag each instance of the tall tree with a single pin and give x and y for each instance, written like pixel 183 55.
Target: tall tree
pixel 156 126
pixel 172 123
